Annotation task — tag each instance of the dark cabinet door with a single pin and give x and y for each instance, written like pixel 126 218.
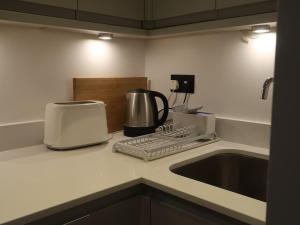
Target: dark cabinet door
pixel 171 8
pixel 176 212
pixel 126 13
pixel 138 206
pixel 79 221
pixel 69 4
pixel 61 9
pixel 130 9
pixel 133 211
pixel 231 3
pixel 166 214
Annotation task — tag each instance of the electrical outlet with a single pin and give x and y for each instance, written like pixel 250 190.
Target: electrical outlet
pixel 174 85
pixel 186 83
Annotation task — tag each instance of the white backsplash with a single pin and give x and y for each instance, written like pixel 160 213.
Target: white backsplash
pixel 18 135
pixel 244 132
pixel 37 67
pixel 229 73
pixel 30 133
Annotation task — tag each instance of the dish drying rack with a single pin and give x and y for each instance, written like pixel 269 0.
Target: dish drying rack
pixel 167 140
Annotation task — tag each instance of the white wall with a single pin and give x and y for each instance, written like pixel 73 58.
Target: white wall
pixel 37 67
pixel 229 72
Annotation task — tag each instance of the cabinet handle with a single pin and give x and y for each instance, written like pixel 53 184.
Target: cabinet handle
pixel 75 220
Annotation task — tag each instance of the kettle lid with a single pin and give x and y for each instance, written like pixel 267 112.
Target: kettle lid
pixel 139 90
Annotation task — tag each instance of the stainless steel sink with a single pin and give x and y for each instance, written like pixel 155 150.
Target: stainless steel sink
pixel 234 172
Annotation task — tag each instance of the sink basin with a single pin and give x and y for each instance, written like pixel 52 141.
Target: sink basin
pixel 234 172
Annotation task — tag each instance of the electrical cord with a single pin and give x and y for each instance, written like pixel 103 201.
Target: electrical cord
pixel 163 110
pixel 175 100
pixel 110 136
pixel 170 96
pixel 185 97
pixel 188 99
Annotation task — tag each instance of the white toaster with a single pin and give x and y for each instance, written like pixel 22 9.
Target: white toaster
pixel 75 124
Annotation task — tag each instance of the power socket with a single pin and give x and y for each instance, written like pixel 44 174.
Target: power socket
pixel 174 85
pixel 186 83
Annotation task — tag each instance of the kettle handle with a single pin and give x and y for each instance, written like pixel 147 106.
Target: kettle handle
pixel 164 117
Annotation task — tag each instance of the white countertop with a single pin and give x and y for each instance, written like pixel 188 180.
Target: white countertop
pixel 36 182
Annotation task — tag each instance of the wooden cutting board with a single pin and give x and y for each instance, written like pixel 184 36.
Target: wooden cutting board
pixel 112 92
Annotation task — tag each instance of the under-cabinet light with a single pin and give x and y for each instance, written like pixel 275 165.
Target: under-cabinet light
pixel 105 36
pixel 260 29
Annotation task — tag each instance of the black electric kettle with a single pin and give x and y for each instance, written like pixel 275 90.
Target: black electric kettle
pixel 142 113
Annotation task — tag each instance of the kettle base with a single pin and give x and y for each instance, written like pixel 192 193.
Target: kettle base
pixel 137 131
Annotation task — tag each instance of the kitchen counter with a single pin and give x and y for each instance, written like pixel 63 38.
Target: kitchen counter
pixel 37 182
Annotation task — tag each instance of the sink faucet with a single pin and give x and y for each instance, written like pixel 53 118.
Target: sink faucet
pixel 266 86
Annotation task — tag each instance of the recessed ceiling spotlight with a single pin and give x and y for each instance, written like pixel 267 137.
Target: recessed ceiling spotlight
pixel 105 36
pixel 260 29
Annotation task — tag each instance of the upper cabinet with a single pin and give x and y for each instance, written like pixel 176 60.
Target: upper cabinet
pixel 231 3
pixel 138 17
pixel 120 13
pixel 70 4
pixel 125 13
pixel 171 13
pixel 65 9
pixel 171 8
pixel 129 9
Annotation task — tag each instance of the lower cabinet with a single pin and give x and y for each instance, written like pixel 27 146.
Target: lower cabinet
pixel 84 220
pixel 162 214
pixel 231 3
pixel 128 212
pixel 169 214
pixel 139 205
pixel 170 210
pixel 132 211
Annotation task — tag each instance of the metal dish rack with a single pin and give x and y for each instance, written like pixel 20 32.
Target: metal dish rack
pixel 167 140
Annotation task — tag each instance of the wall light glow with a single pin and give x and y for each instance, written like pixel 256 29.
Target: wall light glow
pixel 264 42
pixel 96 54
pixel 95 49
